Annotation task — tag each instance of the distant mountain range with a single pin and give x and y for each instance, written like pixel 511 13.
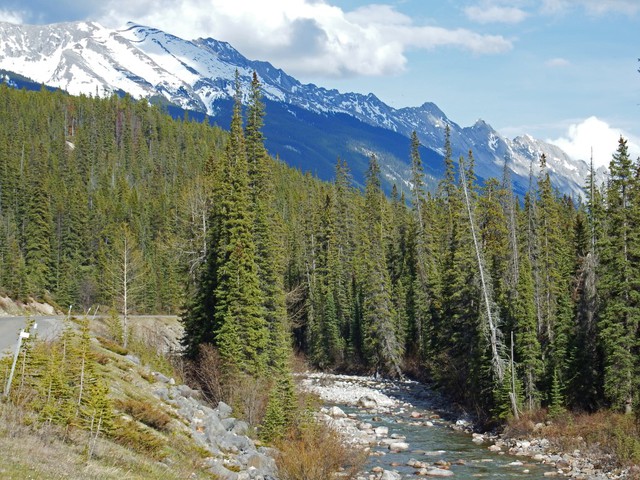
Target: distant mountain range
pixel 306 126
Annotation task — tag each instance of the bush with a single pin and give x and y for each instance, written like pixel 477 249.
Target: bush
pixel 315 452
pixel 145 412
pixel 206 372
pixel 599 434
pixel 112 346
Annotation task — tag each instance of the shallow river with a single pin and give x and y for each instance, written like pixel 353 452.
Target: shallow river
pixel 431 444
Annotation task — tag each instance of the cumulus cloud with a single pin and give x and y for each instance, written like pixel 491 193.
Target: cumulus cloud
pixel 557 62
pixel 11 16
pixel 594 133
pixel 304 36
pixel 486 13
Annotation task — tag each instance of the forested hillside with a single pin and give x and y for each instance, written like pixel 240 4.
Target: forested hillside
pixel 507 304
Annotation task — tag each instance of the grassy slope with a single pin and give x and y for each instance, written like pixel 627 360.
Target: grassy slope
pixel 48 452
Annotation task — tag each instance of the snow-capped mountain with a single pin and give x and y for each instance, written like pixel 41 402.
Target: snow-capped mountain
pixel 86 58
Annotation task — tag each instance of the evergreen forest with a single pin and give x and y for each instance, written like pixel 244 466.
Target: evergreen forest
pixel 507 304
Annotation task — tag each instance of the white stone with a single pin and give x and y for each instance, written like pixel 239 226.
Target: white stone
pixel 437 472
pixel 337 412
pixel 381 431
pixel 399 446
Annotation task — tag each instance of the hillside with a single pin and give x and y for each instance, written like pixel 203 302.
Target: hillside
pixel 148 426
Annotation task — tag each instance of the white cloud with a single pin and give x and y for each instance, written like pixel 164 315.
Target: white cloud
pixel 304 36
pixel 593 7
pixel 557 62
pixel 11 16
pixel 485 13
pixel 599 135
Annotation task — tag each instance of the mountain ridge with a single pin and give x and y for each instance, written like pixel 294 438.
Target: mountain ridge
pixel 87 58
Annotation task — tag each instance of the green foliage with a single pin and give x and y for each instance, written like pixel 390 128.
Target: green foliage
pixel 113 346
pixel 503 405
pixel 556 398
pixel 620 279
pixel 274 425
pixel 99 197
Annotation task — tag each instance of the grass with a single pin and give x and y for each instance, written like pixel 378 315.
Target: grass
pixel 50 453
pixel 145 443
pixel 145 412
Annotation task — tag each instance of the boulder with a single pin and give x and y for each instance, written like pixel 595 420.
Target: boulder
pixel 337 412
pixel 258 464
pixel 390 475
pixel 399 446
pixel 230 442
pixel 160 377
pixel 224 410
pixel 367 402
pixel 381 431
pixel 240 427
pixel 216 467
pixel 437 472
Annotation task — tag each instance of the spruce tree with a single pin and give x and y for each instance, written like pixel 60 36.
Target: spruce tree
pixel 422 270
pixel 241 331
pixel 620 281
pixel 381 345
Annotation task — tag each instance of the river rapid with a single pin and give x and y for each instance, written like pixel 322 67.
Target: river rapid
pixel 402 426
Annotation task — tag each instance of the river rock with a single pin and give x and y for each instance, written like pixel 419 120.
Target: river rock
pixel 495 448
pixel 381 431
pixel 417 464
pixel 399 446
pixel 435 472
pixel 368 402
pixel 390 475
pixel 337 412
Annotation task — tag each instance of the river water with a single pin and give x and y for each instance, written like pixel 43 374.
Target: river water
pixel 432 444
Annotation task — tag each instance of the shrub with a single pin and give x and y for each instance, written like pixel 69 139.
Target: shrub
pixel 601 433
pixel 206 372
pixel 145 412
pixel 112 346
pixel 313 451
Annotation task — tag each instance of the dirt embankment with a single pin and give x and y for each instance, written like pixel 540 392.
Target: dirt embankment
pixel 9 307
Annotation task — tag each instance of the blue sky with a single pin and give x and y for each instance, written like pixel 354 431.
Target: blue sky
pixel 560 70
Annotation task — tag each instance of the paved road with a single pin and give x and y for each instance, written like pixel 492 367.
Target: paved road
pixel 48 326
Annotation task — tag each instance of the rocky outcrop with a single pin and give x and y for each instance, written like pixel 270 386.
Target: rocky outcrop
pixel 234 455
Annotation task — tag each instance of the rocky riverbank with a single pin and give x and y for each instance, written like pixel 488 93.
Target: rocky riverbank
pixel 351 400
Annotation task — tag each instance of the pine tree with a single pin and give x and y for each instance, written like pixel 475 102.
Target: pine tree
pixel 422 269
pixel 38 230
pixel 618 325
pixel 241 329
pixel 380 329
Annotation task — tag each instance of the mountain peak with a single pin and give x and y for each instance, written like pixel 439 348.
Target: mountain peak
pixel 84 57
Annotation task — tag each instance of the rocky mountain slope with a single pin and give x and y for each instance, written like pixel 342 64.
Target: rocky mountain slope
pixel 308 126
